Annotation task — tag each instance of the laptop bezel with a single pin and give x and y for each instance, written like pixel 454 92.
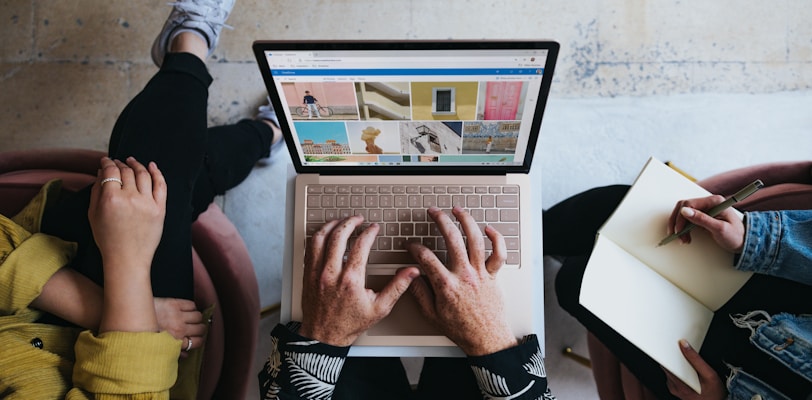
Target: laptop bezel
pixel 261 46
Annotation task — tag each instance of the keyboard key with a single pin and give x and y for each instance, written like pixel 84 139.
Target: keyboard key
pixel 507 201
pixel 507 229
pixel 314 214
pixel 314 201
pixel 509 215
pixel 392 229
pixel 405 215
pixel 418 214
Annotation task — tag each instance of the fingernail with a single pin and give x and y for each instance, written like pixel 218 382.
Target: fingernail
pixel 687 212
pixel 684 344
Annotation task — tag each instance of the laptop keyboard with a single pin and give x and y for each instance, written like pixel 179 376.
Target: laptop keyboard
pixel 401 212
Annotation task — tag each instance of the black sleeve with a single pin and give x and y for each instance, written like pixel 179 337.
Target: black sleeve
pixel 300 368
pixel 517 372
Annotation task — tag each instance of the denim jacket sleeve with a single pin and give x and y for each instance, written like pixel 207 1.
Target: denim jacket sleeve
pixel 778 243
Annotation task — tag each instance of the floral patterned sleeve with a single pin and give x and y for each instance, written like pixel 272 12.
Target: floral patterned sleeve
pixel 302 368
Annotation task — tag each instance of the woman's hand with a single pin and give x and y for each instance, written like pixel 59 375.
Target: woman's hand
pixel 126 213
pixel 726 228
pixel 181 319
pixel 712 386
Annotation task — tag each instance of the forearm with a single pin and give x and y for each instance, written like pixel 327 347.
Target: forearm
pixel 316 366
pixel 128 302
pixel 73 297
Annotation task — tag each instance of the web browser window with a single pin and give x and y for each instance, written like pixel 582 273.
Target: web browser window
pixel 409 107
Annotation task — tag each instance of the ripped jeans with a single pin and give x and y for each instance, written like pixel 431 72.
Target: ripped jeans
pixel 785 337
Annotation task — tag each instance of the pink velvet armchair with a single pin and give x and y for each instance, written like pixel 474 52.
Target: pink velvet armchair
pixel 788 186
pixel 223 272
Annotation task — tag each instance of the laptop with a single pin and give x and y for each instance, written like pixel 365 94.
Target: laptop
pixel 387 129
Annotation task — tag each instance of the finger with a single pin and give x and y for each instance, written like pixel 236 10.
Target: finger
pixel 705 221
pixel 314 255
pixel 672 218
pixel 337 246
pixel 476 244
pixel 196 343
pixel 435 271
pixel 110 174
pixel 703 369
pixel 185 305
pixel 143 179
pixel 192 317
pixel 393 290
pixel 127 175
pixel 193 330
pixel 497 258
pixel 359 254
pixel 702 203
pixel 159 188
pixel 424 297
pixel 452 236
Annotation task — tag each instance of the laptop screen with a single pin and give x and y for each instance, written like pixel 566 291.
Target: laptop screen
pixel 409 107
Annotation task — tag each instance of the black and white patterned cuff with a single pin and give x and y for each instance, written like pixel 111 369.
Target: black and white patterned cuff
pixel 299 367
pixel 516 373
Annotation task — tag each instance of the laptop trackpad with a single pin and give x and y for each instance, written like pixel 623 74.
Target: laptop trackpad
pixel 405 318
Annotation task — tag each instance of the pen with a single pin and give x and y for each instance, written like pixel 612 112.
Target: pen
pixel 739 196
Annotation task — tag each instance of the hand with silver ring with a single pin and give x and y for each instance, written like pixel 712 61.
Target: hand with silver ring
pixel 188 344
pixel 127 224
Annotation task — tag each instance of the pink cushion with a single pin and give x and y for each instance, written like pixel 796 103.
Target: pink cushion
pixel 217 240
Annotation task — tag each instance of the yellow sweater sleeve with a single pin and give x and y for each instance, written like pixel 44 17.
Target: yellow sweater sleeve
pixel 125 365
pixel 27 261
pixel 28 258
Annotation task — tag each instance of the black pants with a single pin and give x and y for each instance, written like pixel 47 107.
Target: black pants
pixel 166 123
pixel 371 378
pixel 569 230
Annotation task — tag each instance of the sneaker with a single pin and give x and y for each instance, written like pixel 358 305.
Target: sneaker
pixel 206 17
pixel 266 112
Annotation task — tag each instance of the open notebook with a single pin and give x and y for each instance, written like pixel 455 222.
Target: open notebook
pixel 654 296
pixel 388 129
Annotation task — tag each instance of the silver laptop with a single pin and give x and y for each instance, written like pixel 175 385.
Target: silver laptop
pixel 389 129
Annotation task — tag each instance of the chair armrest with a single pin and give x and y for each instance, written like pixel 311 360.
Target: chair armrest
pixel 228 262
pixel 787 185
pixel 70 160
pixel 727 183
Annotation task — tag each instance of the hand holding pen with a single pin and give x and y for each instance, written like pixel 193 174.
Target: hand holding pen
pixel 723 224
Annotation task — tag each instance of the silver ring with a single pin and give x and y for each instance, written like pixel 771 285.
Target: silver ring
pixel 188 344
pixel 105 180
